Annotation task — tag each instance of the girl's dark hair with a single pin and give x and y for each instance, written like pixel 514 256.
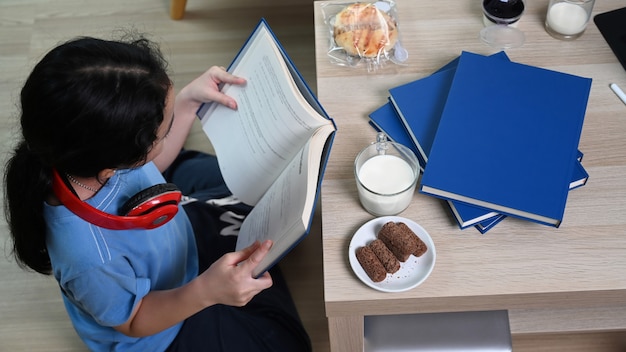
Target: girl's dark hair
pixel 88 105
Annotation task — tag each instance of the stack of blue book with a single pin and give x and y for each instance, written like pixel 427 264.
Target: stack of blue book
pixel 494 138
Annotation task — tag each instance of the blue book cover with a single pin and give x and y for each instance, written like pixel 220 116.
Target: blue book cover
pixel 533 118
pixel 419 104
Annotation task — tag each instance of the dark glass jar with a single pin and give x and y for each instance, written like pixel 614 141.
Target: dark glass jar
pixel 505 12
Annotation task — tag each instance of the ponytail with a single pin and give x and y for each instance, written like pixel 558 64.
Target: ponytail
pixel 27 182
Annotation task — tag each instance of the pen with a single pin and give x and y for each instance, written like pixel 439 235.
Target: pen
pixel 619 92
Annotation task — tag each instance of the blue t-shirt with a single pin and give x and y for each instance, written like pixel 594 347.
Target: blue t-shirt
pixel 104 273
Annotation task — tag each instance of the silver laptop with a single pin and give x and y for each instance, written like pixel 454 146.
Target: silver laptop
pixel 439 332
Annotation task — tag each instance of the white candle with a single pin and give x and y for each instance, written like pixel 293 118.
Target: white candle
pixel 566 18
pixel 386 184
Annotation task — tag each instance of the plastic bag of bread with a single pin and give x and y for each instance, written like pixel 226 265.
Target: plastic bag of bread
pixel 363 33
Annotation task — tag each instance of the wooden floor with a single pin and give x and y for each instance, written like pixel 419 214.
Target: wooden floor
pixel 32 316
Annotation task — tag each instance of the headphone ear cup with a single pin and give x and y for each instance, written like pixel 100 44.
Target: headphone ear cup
pixel 148 209
pixel 150 199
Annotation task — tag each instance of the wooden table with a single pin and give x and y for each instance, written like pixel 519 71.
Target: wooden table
pixel 570 279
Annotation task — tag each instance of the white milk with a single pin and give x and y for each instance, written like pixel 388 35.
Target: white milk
pixel 566 18
pixel 386 184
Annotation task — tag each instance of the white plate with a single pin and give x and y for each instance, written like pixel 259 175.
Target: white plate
pixel 412 272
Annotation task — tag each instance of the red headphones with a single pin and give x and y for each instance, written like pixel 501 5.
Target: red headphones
pixel 147 209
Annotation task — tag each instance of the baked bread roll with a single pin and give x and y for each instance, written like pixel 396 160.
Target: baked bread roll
pixel 361 29
pixel 371 264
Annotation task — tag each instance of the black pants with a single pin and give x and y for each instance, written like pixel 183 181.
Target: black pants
pixel 270 321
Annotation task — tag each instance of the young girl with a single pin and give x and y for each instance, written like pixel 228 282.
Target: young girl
pixel 100 124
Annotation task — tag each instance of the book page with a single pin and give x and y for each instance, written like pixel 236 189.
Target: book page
pixel 272 123
pixel 284 213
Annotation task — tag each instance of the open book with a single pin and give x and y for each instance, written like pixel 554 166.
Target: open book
pixel 273 149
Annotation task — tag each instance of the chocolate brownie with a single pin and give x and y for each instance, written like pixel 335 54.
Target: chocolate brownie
pixel 371 264
pixel 398 240
pixel 421 246
pixel 386 257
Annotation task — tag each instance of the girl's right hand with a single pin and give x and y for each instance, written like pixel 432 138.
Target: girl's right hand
pixel 229 280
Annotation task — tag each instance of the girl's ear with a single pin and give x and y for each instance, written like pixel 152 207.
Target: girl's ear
pixel 105 175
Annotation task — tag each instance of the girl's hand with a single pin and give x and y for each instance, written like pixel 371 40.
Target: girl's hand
pixel 229 280
pixel 206 88
pixel 203 89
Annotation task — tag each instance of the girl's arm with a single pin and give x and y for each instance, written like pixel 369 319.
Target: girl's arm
pixel 201 90
pixel 227 281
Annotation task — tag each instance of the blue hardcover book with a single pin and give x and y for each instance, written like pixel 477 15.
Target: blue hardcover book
pixel 467 215
pixel 386 120
pixel 579 176
pixel 488 224
pixel 532 118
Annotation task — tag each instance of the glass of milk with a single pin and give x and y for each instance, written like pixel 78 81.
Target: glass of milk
pixel 567 19
pixel 386 174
